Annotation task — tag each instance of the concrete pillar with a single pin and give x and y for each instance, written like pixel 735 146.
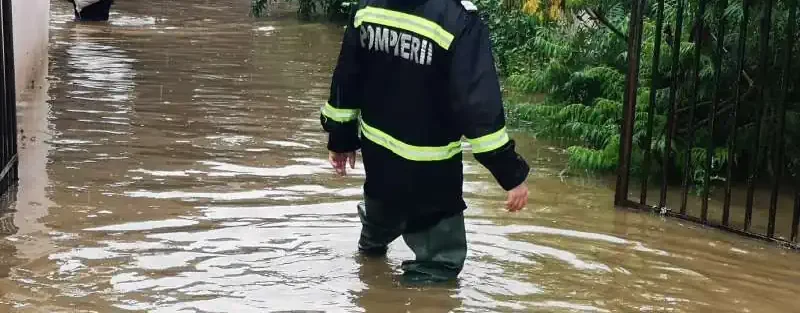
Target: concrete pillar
pixel 31 20
pixel 31 24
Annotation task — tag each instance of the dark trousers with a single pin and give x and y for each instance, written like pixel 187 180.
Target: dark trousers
pixel 438 241
pixel 96 12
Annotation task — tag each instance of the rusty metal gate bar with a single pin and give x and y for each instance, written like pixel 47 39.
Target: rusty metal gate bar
pixel 8 112
pixel 769 118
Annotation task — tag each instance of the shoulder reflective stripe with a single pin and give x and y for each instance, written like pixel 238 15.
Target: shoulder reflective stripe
pixel 405 21
pixel 339 115
pixel 489 142
pixel 406 151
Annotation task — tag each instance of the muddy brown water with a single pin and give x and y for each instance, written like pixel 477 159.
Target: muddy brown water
pixel 174 162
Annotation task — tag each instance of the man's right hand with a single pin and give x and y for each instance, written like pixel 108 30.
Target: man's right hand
pixel 339 161
pixel 517 198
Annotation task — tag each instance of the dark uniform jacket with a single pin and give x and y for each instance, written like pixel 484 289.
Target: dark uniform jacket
pixel 413 77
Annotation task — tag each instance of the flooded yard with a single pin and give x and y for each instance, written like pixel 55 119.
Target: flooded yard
pixel 175 163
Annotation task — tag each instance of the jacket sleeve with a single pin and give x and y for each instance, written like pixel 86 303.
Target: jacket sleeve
pixel 477 105
pixel 339 115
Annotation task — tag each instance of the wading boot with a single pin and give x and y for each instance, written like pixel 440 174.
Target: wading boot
pixel 92 10
pixel 438 239
pixel 377 230
pixel 440 250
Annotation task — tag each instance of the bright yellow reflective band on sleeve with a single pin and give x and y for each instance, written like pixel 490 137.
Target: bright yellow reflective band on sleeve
pixel 339 115
pixel 406 151
pixel 489 142
pixel 405 21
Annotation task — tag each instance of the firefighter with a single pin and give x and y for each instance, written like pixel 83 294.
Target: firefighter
pixel 412 78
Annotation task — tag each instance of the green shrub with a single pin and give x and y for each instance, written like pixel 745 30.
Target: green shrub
pixel 575 54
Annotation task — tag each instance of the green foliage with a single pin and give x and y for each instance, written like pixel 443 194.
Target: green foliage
pixel 511 48
pixel 578 59
pixel 594 128
pixel 594 159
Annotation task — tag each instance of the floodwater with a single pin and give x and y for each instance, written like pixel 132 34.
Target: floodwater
pixel 174 162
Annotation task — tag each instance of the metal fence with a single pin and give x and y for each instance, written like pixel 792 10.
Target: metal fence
pixel 8 112
pixel 734 137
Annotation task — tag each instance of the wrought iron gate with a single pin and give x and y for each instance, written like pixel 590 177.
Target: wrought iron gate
pixel 8 111
pixel 744 52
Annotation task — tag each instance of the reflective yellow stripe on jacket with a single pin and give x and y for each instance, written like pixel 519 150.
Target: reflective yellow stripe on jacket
pixel 407 151
pixel 489 142
pixel 405 21
pixel 339 115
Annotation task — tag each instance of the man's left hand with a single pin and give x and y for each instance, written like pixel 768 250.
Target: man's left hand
pixel 339 161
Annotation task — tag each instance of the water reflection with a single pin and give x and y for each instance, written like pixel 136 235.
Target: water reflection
pixel 8 228
pixel 375 296
pixel 303 257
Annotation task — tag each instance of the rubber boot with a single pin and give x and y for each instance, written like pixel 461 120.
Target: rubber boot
pixel 438 241
pixel 97 12
pixel 440 250
pixel 378 228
